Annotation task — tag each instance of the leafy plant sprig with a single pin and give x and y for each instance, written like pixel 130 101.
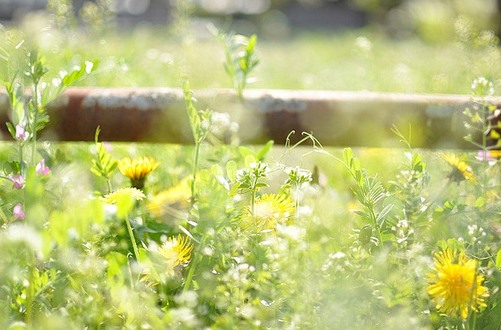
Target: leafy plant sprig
pixel 370 193
pixel 295 180
pixel 249 180
pixel 103 165
pixel 482 118
pixel 409 188
pixel 200 126
pixel 240 55
pixel 200 122
pixel 29 112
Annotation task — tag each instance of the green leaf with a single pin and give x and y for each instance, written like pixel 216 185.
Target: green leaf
pixel 11 129
pixel 365 234
pixel 251 44
pixel 245 151
pixel 125 204
pixel 231 170
pixel 347 156
pixel 492 318
pixel 382 215
pixel 104 164
pixel 17 102
pixel 480 202
pixel 223 182
pixel 494 135
pixel 363 214
pixel 261 154
pixel 498 259
pixel 234 190
pixel 249 159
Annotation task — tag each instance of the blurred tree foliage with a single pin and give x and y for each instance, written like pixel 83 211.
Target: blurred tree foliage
pixel 433 20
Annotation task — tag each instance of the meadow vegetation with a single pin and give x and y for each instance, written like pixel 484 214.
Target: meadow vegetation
pixel 220 235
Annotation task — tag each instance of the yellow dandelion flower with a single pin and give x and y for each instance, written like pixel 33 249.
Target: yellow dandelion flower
pixel 177 251
pixel 460 169
pixel 171 200
pixel 118 194
pixel 167 258
pixel 269 210
pixel 137 169
pixel 455 285
pixel 495 154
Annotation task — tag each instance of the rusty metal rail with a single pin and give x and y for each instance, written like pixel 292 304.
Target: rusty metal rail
pixel 335 118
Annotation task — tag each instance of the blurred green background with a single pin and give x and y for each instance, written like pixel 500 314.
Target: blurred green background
pixel 409 46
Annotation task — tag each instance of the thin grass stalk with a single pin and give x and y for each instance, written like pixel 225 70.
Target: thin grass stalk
pixel 132 239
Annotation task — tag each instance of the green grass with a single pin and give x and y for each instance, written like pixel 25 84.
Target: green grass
pixel 308 60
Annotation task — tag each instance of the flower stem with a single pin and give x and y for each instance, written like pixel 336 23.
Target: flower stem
pixel 35 122
pixel 108 183
pixel 195 170
pixel 132 239
pixel 376 225
pixel 193 266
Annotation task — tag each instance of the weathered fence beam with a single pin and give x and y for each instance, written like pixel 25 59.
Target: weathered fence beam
pixel 335 118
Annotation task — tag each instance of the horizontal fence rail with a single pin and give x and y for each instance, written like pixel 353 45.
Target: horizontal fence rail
pixel 335 118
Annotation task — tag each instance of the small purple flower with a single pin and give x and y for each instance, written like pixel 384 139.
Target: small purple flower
pixel 21 134
pixel 18 211
pixel 17 181
pixel 41 168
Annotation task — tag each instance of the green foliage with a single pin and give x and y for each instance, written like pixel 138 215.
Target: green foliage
pixel 355 250
pixel 104 165
pixel 199 120
pixel 240 56
pixel 482 118
pixel 370 193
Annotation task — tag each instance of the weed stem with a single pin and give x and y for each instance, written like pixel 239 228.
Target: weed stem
pixel 132 239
